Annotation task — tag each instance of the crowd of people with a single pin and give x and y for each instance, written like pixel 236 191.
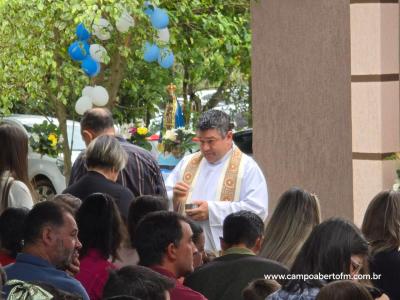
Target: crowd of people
pixel 117 232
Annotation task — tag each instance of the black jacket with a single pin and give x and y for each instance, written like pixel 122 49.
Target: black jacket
pixel 225 277
pixel 94 182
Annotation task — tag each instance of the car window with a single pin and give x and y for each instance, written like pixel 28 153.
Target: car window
pixel 77 142
pixel 76 139
pixel 244 141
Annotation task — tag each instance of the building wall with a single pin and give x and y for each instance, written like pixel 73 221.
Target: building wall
pixel 325 80
pixel 302 99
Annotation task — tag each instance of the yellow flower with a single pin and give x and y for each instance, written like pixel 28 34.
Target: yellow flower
pixel 142 130
pixel 53 139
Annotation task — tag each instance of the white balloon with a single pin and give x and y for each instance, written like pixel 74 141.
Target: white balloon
pixel 102 35
pixel 163 35
pixel 122 26
pixel 128 18
pixel 101 28
pixel 83 104
pixel 124 22
pixel 98 52
pixel 99 96
pixel 87 91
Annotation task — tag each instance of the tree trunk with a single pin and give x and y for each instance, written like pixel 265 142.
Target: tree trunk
pixel 185 92
pixel 61 114
pixel 250 114
pixel 216 97
pixel 117 68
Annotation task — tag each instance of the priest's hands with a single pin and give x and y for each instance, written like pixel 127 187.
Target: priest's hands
pixel 200 213
pixel 180 193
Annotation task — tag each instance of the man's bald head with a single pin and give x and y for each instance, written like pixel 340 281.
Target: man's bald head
pixel 96 121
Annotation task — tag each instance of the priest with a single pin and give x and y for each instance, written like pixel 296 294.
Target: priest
pixel 209 185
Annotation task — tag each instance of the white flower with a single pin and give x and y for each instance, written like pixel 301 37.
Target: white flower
pixel 124 130
pixel 170 135
pixel 188 131
pixel 396 186
pixel 60 139
pixel 35 137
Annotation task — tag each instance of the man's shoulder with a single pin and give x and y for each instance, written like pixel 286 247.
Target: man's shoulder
pixel 188 158
pixel 125 193
pixel 183 292
pixel 249 161
pixel 131 148
pixel 261 262
pixel 136 152
pixel 31 271
pixel 236 262
pixel 206 271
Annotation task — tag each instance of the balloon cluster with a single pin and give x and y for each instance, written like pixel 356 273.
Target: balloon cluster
pixel 90 56
pixel 160 20
pixel 96 95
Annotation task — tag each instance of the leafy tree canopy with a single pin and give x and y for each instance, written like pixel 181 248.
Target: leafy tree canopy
pixel 210 40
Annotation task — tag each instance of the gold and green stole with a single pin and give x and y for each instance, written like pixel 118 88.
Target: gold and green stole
pixel 228 186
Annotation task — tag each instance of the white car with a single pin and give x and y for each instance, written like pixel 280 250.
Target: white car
pixel 45 172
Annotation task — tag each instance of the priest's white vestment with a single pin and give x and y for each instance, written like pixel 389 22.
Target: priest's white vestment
pixel 251 193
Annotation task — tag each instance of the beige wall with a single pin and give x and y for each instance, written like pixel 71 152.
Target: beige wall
pixel 301 99
pixel 326 98
pixel 375 99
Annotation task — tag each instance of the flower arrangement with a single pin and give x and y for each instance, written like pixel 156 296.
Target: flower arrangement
pixel 138 136
pixel 46 139
pixel 178 141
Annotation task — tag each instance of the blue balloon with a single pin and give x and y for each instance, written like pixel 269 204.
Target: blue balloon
pixel 82 33
pixel 166 58
pixel 90 66
pixel 151 52
pixel 78 50
pixel 148 8
pixel 159 18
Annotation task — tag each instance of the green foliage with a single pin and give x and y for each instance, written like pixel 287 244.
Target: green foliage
pixel 210 40
pixel 46 139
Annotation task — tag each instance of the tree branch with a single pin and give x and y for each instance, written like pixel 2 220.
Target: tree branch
pixel 216 97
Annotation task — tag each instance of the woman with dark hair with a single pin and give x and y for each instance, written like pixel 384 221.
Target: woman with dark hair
pixel 15 187
pixel 292 221
pixel 335 246
pixel 140 207
pixel 101 233
pixel 381 227
pixel 11 231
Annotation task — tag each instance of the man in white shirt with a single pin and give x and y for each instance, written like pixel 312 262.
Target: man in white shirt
pixel 220 179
